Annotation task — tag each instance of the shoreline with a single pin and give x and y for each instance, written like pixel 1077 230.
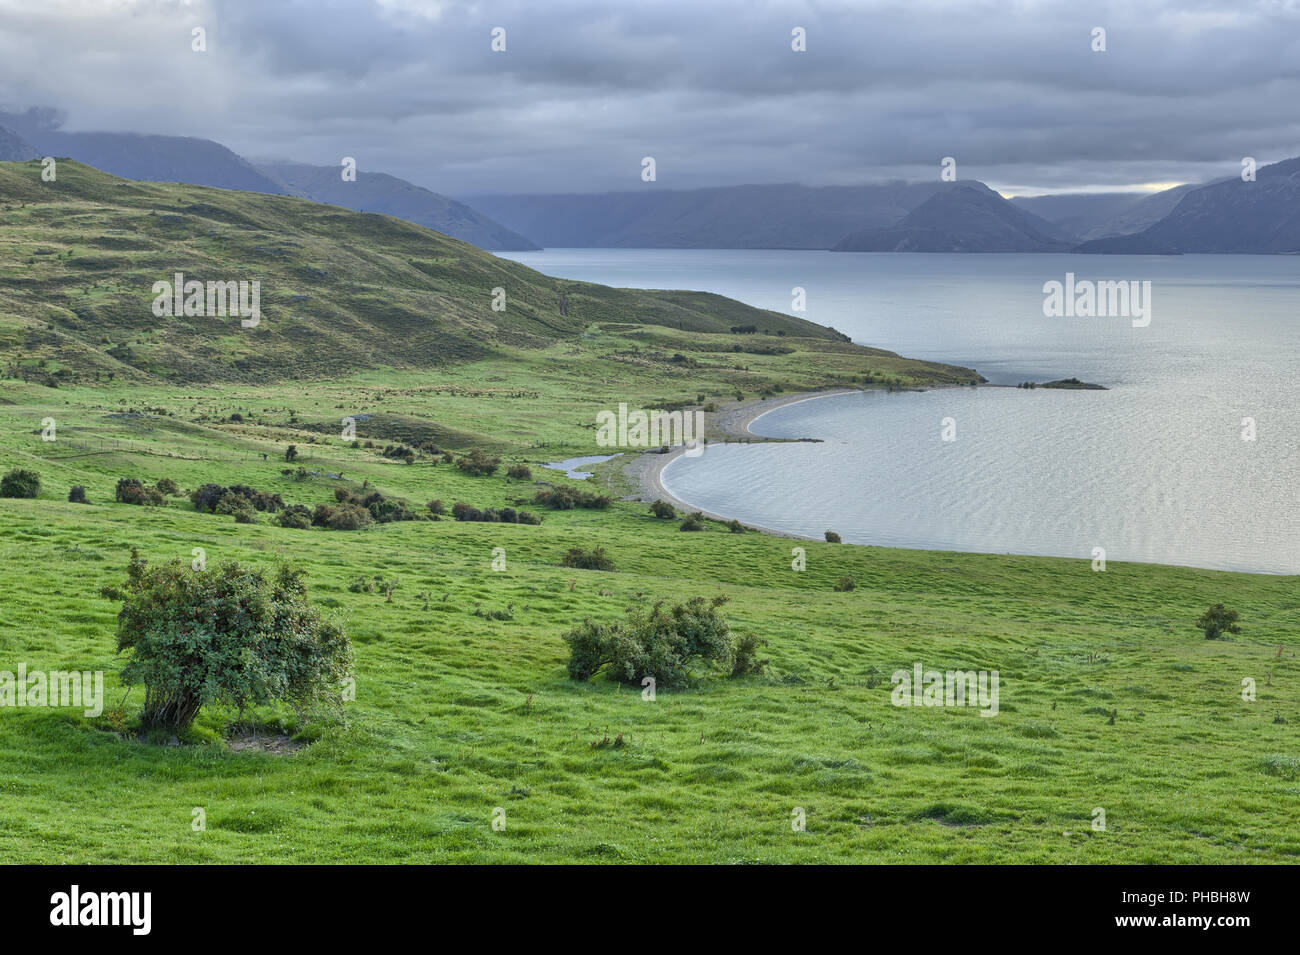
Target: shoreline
pixel 731 425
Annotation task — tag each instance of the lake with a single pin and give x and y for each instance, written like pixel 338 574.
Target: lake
pixel 1155 469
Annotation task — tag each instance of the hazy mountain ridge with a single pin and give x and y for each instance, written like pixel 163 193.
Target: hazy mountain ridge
pixel 777 216
pixel 389 195
pixel 964 216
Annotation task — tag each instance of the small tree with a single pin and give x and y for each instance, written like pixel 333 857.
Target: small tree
pixel 20 483
pixel 1217 621
pixel 291 453
pixel 227 635
pixel 832 537
pixel 77 494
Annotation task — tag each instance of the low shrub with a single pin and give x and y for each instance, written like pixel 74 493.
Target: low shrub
pixel 478 463
pixel 1217 621
pixel 490 515
pixel 565 498
pixel 437 509
pixel 135 491
pixel 169 487
pixel 521 471
pixel 845 584
pixel 663 510
pixel 833 538
pixel 594 559
pixel 77 494
pixel 693 522
pixel 296 516
pixel 666 643
pixel 20 483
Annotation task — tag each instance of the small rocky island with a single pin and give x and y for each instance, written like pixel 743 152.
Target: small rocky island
pixel 1068 383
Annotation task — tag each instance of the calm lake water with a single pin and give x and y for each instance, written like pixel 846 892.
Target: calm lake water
pixel 1155 469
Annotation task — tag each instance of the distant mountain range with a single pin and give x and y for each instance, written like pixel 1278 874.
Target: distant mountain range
pixel 203 162
pixel 780 216
pixel 1228 216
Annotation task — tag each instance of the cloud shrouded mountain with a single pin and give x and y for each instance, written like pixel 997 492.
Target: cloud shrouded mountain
pixel 1228 216
pixel 13 148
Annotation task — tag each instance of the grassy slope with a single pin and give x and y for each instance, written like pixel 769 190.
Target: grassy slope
pixel 457 714
pixel 341 291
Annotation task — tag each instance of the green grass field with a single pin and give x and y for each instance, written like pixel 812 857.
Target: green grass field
pixel 457 715
pixel 1110 697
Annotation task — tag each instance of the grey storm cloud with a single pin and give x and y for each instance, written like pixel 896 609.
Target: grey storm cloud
pixel 712 90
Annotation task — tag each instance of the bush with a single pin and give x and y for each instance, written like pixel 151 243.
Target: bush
pixel 746 659
pixel 833 538
pixel 665 644
pixel 349 517
pixel 296 516
pixel 845 584
pixel 693 522
pixel 479 463
pixel 245 515
pixel 663 510
pixel 20 483
pixel 77 494
pixel 206 496
pixel 521 471
pixel 291 453
pixel 436 508
pixel 169 487
pixel 736 527
pixel 506 515
pixel 229 635
pixel 565 498
pixel 135 491
pixel 1217 621
pixel 594 559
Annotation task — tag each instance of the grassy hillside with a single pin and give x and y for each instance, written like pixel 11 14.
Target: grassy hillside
pixel 340 290
pixel 1110 697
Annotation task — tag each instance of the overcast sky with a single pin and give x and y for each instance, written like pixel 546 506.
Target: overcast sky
pixel 712 90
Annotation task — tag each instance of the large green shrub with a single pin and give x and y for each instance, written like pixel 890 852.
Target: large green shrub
pixel 666 643
pixel 229 635
pixel 20 483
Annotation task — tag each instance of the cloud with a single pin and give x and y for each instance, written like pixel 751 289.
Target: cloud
pixel 712 90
